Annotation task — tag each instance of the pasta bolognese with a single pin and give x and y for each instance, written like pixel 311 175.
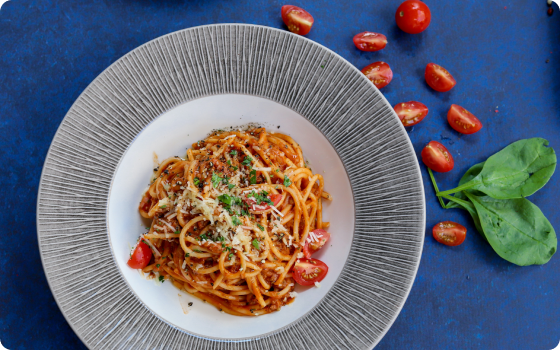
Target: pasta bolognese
pixel 235 222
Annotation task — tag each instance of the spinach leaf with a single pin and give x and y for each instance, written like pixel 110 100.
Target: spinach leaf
pixel 469 175
pixel 468 206
pixel 517 171
pixel 516 229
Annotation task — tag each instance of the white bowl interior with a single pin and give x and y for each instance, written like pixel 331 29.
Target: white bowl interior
pixel 171 134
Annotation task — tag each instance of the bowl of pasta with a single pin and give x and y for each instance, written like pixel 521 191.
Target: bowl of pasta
pixel 230 210
pixel 231 186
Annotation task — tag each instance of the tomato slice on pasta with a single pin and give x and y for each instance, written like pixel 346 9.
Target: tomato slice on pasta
pixel 252 203
pixel 315 241
pixel 309 271
pixel 141 256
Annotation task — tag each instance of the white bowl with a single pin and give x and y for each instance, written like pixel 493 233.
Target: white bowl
pixel 171 134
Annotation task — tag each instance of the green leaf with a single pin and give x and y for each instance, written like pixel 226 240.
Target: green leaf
pixel 226 199
pixel 256 244
pixel 456 202
pixel 517 171
pixel 261 227
pixel 247 161
pixel 287 181
pixel 516 229
pixel 233 153
pixel 469 175
pixel 216 179
pixel 253 177
pixel 196 181
pixel 235 220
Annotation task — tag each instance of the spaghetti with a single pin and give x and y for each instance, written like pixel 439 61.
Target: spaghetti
pixel 231 219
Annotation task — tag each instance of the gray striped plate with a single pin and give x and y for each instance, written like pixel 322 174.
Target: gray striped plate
pixel 229 59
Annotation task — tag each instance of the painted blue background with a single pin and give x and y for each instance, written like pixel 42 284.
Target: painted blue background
pixel 463 298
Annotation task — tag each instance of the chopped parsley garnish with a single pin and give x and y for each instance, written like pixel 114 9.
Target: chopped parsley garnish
pixel 158 265
pixel 233 153
pixel 277 170
pixel 230 186
pixel 247 161
pixel 226 199
pixel 196 250
pixel 187 255
pixel 196 181
pixel 256 244
pixel 216 179
pixel 161 279
pixel 203 237
pixel 260 197
pixel 253 177
pixel 230 256
pixel 231 165
pixel 163 206
pixel 287 181
pixel 261 227
pixel 236 220
pixel 177 232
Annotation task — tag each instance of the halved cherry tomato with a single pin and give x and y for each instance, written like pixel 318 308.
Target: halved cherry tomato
pixel 252 203
pixel 379 73
pixel 439 78
pixel 297 19
pixel 141 256
pixel 449 233
pixel 309 271
pixel 311 246
pixel 413 16
pixel 411 113
pixel 462 120
pixel 437 157
pixel 370 41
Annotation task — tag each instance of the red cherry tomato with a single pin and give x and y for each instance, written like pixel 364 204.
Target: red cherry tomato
pixel 275 198
pixel 439 78
pixel 297 19
pixel 462 120
pixel 437 157
pixel 413 16
pixel 311 246
pixel 379 73
pixel 141 256
pixel 449 233
pixel 309 271
pixel 369 41
pixel 411 113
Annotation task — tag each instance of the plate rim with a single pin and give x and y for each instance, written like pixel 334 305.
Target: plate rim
pixel 138 48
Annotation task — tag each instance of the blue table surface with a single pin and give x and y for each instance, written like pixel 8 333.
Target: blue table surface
pixel 504 55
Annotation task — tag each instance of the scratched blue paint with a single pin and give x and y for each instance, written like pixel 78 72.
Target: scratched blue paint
pixel 463 298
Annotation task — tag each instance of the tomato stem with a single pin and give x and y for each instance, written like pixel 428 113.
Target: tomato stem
pixel 436 188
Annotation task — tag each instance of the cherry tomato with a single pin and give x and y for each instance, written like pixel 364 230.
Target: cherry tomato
pixel 449 233
pixel 309 271
pixel 462 120
pixel 379 73
pixel 413 16
pixel 141 256
pixel 297 19
pixel 370 41
pixel 411 113
pixel 311 246
pixel 437 157
pixel 439 78
pixel 275 198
